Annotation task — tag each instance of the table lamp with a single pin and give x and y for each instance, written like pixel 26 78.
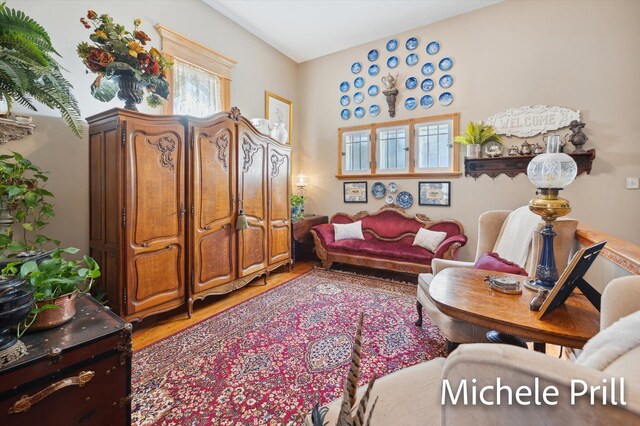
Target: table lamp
pixel 302 181
pixel 549 172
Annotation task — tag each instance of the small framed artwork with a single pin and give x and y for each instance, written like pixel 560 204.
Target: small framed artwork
pixel 278 110
pixel 434 193
pixel 355 192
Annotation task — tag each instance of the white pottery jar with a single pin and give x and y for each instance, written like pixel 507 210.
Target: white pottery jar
pixel 473 150
pixel 280 133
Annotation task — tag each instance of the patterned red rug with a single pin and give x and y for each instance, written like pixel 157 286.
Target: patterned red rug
pixel 271 358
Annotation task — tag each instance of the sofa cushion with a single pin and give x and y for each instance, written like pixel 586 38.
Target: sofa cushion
pixel 382 249
pixel 493 262
pixel 429 239
pixel 348 231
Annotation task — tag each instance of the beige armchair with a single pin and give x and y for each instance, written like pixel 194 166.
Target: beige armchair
pixel 413 395
pixel 490 225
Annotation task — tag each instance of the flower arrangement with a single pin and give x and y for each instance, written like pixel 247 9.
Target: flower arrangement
pixel 116 52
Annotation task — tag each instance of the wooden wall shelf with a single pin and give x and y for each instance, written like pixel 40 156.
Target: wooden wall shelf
pixel 513 166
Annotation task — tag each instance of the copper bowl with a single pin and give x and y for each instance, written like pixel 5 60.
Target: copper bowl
pixel 53 317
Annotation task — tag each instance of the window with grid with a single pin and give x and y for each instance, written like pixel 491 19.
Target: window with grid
pixel 356 152
pixel 392 149
pixel 433 145
pixel 196 92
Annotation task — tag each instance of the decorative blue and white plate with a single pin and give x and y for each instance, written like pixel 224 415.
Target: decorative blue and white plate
pixel 374 70
pixel 446 81
pixel 358 83
pixel 412 59
pixel 356 67
pixel 374 110
pixel 358 97
pixel 345 114
pixel 433 48
pixel 428 68
pixel 446 64
pixel 378 190
pixel 427 85
pixel 410 103
pixel 344 86
pixel 392 187
pixel 373 90
pixel 392 62
pixel 445 99
pixel 411 83
pixel 373 55
pixel 345 100
pixel 426 101
pixel 389 199
pixel 358 112
pixel 412 43
pixel 404 200
pixel 392 45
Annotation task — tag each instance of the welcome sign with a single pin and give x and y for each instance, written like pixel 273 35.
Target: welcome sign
pixel 528 121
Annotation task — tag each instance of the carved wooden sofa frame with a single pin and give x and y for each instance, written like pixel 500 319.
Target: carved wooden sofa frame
pixel 448 249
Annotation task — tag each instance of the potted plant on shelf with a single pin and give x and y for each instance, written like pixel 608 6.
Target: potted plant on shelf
pixel 477 134
pixel 123 64
pixel 57 282
pixel 28 70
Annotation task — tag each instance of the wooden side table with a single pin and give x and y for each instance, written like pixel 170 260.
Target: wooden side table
pixel 302 241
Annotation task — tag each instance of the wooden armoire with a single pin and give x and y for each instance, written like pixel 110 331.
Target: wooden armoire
pixel 165 195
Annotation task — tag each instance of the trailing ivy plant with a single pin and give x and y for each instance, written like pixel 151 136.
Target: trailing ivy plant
pixel 22 193
pixel 28 70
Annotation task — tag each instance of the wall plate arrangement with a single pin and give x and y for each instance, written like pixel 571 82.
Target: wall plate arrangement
pixel 344 86
pixel 427 85
pixel 374 110
pixel 392 45
pixel 392 62
pixel 392 187
pixel 410 104
pixel 404 199
pixel 389 199
pixel 358 83
pixel 345 100
pixel 412 44
pixel 356 67
pixel 428 69
pixel 445 64
pixel 445 98
pixel 345 114
pixel 412 59
pixel 373 90
pixel 426 101
pixel 373 55
pixel 433 48
pixel 378 190
pixel 411 83
pixel 358 97
pixel 358 112
pixel 374 70
pixel 445 81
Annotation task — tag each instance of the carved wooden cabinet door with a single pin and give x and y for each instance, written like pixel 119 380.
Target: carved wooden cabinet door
pixel 252 193
pixel 154 214
pixel 278 204
pixel 213 233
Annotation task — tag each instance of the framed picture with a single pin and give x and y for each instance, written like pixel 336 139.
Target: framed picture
pixel 278 110
pixel 434 193
pixel 355 192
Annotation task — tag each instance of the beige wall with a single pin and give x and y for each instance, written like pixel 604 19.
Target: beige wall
pixel 577 54
pixel 53 147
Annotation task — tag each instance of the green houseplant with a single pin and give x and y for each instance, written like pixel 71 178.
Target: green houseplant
pixel 28 70
pixel 57 281
pixel 297 206
pixel 477 134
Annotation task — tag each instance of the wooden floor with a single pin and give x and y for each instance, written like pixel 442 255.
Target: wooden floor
pixel 156 328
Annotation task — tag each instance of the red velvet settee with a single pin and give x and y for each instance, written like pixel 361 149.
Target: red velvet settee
pixel 389 234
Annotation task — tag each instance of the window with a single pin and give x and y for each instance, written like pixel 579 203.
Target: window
pixel 356 154
pixel 392 149
pixel 200 80
pixel 418 147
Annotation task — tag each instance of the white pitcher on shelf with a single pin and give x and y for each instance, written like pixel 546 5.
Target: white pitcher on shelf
pixel 279 132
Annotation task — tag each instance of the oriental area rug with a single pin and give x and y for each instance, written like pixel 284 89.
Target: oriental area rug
pixel 268 360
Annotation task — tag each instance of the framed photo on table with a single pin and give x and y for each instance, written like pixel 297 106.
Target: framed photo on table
pixel 278 110
pixel 434 193
pixel 355 192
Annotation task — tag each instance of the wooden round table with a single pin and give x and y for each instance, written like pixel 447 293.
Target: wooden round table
pixel 461 293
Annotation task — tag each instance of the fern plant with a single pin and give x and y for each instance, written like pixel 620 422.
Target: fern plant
pixel 28 70
pixel 478 134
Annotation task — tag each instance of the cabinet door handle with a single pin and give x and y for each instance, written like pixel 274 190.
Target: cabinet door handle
pixel 182 210
pixel 26 402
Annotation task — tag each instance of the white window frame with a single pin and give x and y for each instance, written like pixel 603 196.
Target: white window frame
pixel 379 150
pixel 367 158
pixel 449 146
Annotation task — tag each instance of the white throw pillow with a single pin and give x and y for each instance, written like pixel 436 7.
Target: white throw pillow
pixel 348 231
pixel 429 239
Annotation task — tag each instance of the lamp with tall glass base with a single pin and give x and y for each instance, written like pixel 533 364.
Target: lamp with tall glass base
pixel 549 172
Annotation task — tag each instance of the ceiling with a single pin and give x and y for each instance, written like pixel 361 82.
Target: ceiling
pixel 307 29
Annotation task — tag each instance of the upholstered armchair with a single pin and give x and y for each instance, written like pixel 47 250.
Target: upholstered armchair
pixel 490 227
pixel 413 395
